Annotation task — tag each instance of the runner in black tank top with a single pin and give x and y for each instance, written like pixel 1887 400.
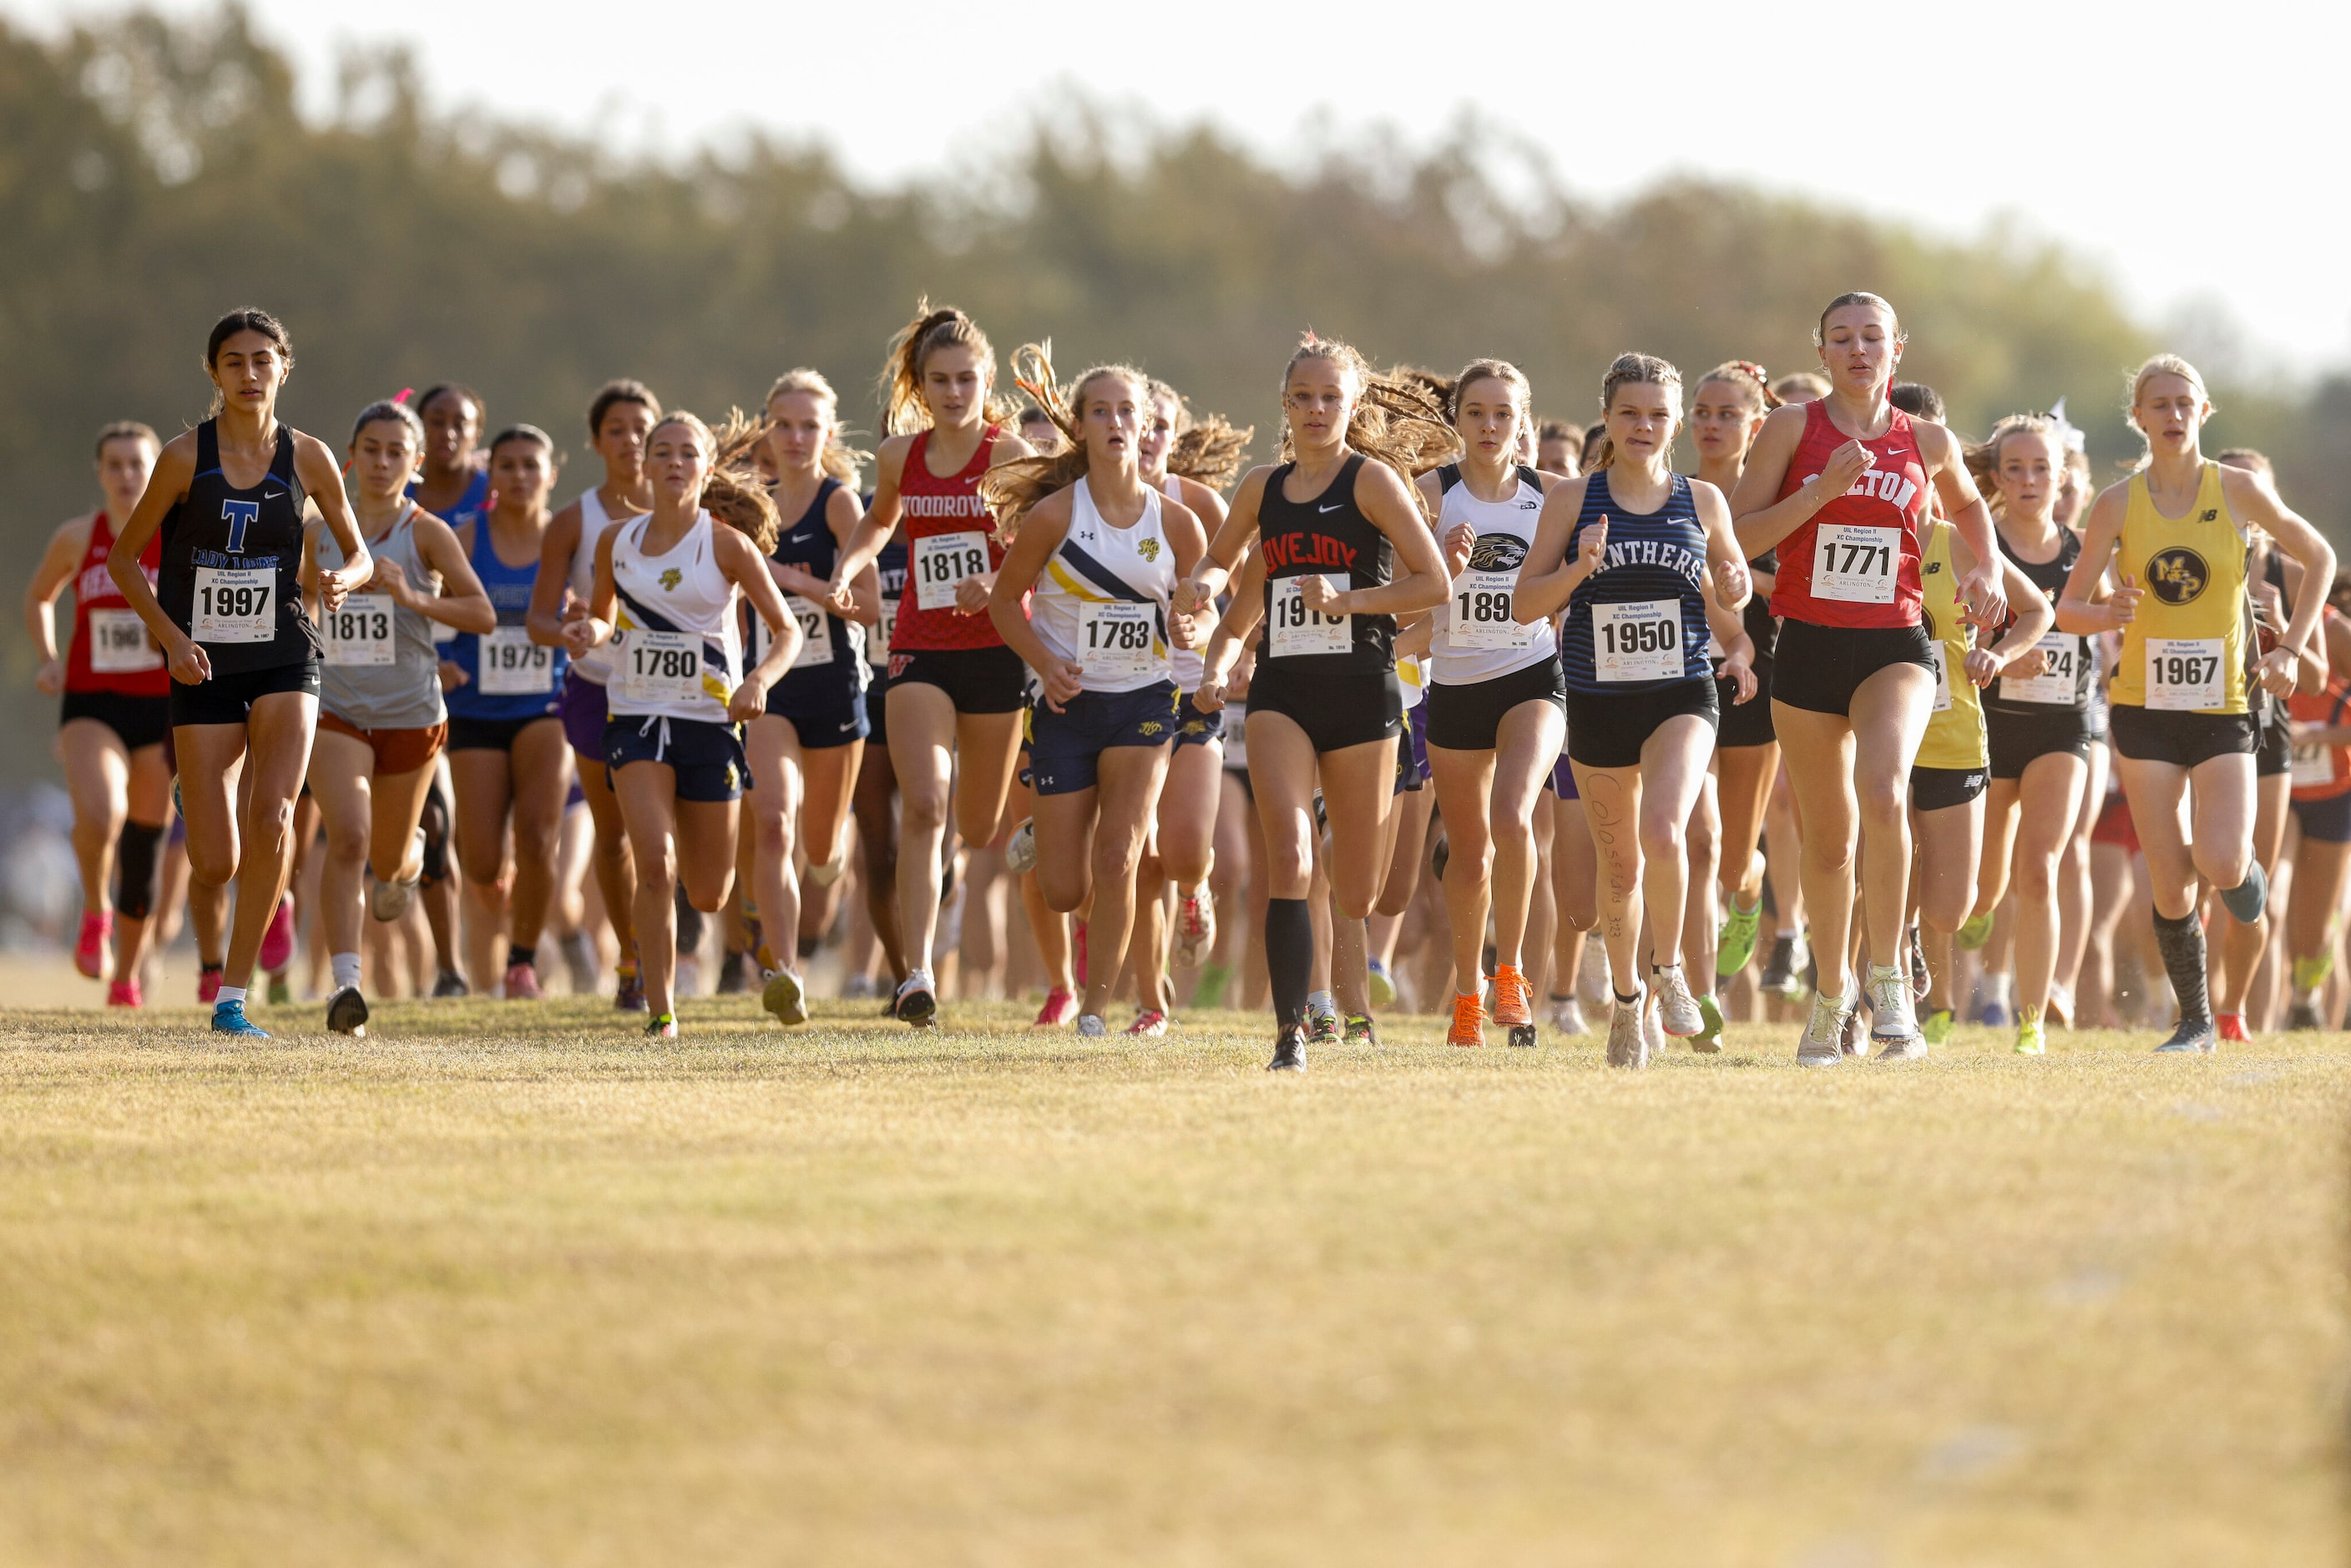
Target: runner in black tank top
pixel 1334 532
pixel 243 654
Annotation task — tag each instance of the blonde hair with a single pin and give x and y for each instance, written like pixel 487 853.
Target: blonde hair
pixel 841 460
pixel 903 411
pixel 1983 457
pixel 1747 377
pixel 1857 297
pixel 2153 366
pixel 1204 447
pixel 1014 488
pixel 733 493
pixel 1522 395
pixel 1397 420
pixel 1628 370
pixel 1801 386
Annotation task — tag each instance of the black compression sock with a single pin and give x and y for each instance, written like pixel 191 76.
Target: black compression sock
pixel 518 955
pixel 1289 958
pixel 2181 942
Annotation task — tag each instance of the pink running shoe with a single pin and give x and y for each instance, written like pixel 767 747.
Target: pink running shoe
pixel 124 994
pixel 1149 1024
pixel 522 983
pixel 277 942
pixel 89 949
pixel 208 984
pixel 1061 1006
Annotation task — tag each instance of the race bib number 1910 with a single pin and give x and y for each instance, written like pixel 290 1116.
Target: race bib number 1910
pixel 1298 631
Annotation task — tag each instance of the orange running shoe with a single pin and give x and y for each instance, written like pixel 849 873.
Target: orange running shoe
pixel 1514 1004
pixel 1469 1020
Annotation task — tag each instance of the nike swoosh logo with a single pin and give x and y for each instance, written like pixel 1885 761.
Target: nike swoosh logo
pixel 273 494
pixel 1331 508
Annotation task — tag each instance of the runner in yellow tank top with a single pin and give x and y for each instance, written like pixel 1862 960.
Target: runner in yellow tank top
pixel 2178 721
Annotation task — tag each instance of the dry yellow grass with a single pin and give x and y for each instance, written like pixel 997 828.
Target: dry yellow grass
pixel 513 1284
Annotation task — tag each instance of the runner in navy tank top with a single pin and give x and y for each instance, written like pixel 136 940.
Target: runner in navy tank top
pixel 1647 563
pixel 243 654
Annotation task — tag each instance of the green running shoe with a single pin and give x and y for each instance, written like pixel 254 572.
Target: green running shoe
pixel 1735 943
pixel 1974 934
pixel 1361 1030
pixel 1707 1040
pixel 1322 1029
pixel 1937 1026
pixel 2028 1038
pixel 1383 987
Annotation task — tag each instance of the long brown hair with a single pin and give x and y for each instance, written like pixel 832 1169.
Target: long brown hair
pixel 1397 419
pixel 1204 447
pixel 1014 488
pixel 1983 457
pixel 735 493
pixel 1627 370
pixel 903 411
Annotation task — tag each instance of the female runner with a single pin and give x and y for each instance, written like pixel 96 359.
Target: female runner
pixel 876 800
pixel 2180 720
pixel 382 721
pixel 115 715
pixel 452 483
pixel 2037 724
pixel 619 419
pixel 1334 523
pixel 2322 807
pixel 955 692
pixel 806 748
pixel 1496 702
pixel 228 613
pixel 1104 550
pixel 506 752
pixel 1839 488
pixel 1654 567
pixel 664 598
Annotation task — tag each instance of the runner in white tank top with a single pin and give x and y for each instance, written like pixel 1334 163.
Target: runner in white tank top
pixel 619 419
pixel 665 598
pixel 1104 550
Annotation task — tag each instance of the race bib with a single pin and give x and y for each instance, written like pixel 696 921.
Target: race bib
pixel 1481 613
pixel 1297 631
pixel 119 644
pixel 816 638
pixel 943 561
pixel 1640 641
pixel 2184 673
pixel 512 666
pixel 2313 766
pixel 877 650
pixel 1855 563
pixel 659 667
pixel 1114 641
pixel 236 604
pixel 1942 677
pixel 2061 654
pixel 360 633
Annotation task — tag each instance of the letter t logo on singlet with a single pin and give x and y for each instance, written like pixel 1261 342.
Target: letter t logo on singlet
pixel 239 516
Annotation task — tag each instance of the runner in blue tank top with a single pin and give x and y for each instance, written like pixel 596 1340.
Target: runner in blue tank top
pixel 1645 561
pixel 507 749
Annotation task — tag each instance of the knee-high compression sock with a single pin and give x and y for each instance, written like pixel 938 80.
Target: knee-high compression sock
pixel 434 820
pixel 1289 958
pixel 2181 942
pixel 135 867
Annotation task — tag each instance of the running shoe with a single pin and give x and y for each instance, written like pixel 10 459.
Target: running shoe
pixel 347 1012
pixel 1783 971
pixel 1514 1005
pixel 522 983
pixel 1020 849
pixel 1994 1014
pixel 1092 1027
pixel 387 901
pixel 2193 1037
pixel 1852 1043
pixel 2301 1016
pixel 784 995
pixel 1289 1051
pixel 277 941
pixel 1196 927
pixel 89 947
pixel 628 994
pixel 662 1026
pixel 1382 985
pixel 1822 1045
pixel 1894 1024
pixel 1628 1038
pixel 734 973
pixel 1935 1028
pixel 2250 897
pixel 452 984
pixel 124 994
pixel 1973 933
pixel 1653 1026
pixel 228 1018
pixel 1468 1026
pixel 281 994
pixel 1678 1009
pixel 2231 1027
pixel 1061 1006
pixel 208 984
pixel 1322 1029
pixel 2029 1041
pixel 1567 1016
pixel 1708 1041
pixel 1149 1024
pixel 1734 944
pixel 917 1004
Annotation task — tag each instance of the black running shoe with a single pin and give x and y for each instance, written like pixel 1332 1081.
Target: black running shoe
pixel 2194 1037
pixel 1779 970
pixel 735 973
pixel 1289 1052
pixel 347 1012
pixel 450 984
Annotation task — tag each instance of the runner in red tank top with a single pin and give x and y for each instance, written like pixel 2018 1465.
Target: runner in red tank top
pixel 2322 804
pixel 1840 488
pixel 115 716
pixel 957 693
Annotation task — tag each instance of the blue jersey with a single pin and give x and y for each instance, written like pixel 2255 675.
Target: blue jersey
pixel 507 675
pixel 470 506
pixel 1639 622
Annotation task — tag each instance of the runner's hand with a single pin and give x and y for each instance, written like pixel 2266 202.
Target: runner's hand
pixel 2275 671
pixel 1732 585
pixel 971 594
pixel 1740 673
pixel 1986 596
pixel 748 702
pixel 50 678
pixel 1846 466
pixel 2122 604
pixel 1209 697
pixel 1592 547
pixel 1459 541
pixel 1315 591
pixel 190 666
pixel 391 579
pixel 1064 681
pixel 1982 666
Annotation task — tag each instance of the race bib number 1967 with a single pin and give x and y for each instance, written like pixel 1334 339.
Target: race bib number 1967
pixel 2184 673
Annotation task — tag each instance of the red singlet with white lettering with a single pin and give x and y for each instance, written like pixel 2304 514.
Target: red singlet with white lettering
pixel 112 651
pixel 950 535
pixel 1856 562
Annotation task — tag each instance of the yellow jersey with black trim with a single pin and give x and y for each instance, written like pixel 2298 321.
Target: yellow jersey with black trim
pixel 1955 735
pixel 2184 651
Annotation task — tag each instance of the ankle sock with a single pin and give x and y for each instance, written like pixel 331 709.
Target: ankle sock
pixel 229 994
pixel 347 970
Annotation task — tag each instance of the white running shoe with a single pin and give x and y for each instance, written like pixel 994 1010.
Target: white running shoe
pixel 1020 851
pixel 1196 927
pixel 1091 1026
pixel 1894 1021
pixel 1567 1017
pixel 1628 1035
pixel 1823 1041
pixel 1678 1009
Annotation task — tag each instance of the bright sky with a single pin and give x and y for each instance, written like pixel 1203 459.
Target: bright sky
pixel 2192 152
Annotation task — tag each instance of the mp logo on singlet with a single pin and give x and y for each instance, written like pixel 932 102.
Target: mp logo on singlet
pixel 239 516
pixel 2177 575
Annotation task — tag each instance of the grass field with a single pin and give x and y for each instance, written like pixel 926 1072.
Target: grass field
pixel 514 1285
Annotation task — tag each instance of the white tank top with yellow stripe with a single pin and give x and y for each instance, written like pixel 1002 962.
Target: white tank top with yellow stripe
pixel 1955 735
pixel 1102 602
pixel 2184 651
pixel 675 654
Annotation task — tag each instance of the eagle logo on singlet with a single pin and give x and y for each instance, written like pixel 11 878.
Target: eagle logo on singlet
pixel 672 577
pixel 1497 552
pixel 1148 549
pixel 2177 575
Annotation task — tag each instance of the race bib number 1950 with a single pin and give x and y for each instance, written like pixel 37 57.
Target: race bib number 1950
pixel 1639 640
